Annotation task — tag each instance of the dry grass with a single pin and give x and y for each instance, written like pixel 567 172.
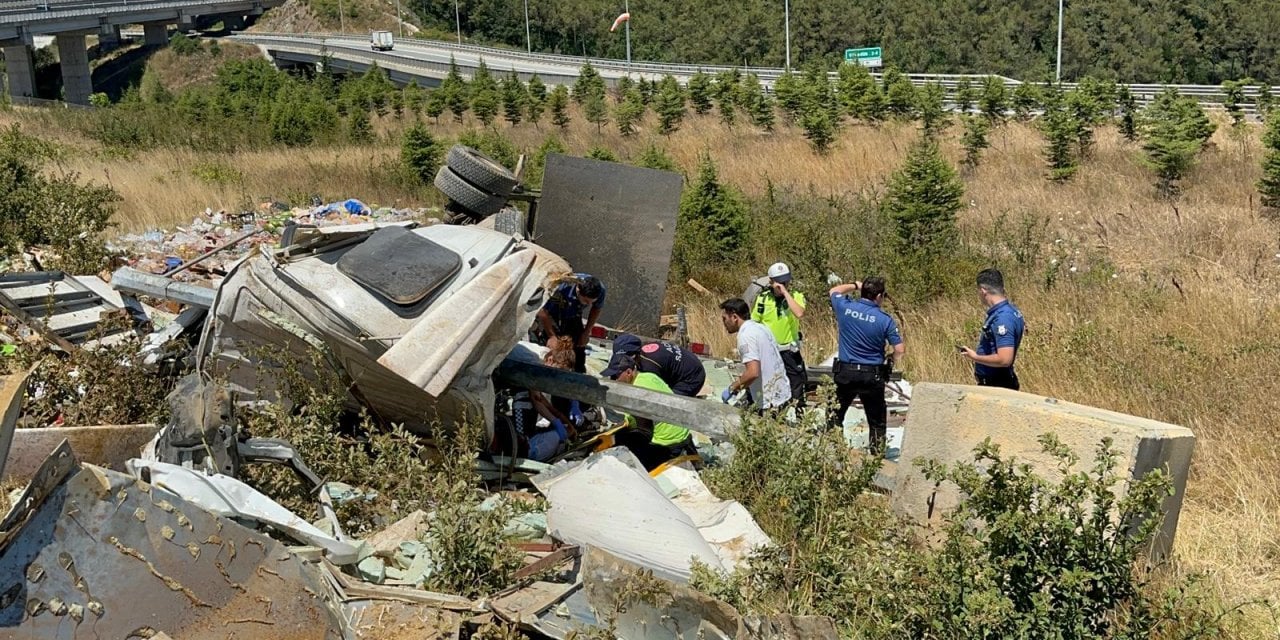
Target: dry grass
pixel 1186 332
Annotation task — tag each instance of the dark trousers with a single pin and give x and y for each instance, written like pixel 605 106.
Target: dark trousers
pixel 865 382
pixel 649 454
pixel 1004 378
pixel 793 362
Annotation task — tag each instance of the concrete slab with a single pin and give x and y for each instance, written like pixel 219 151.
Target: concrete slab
pixel 946 422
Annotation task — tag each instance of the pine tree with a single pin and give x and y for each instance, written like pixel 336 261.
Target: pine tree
pixel 485 105
pixel 726 102
pixel 819 93
pixel 1027 98
pixel 853 82
pixel 482 79
pixel 537 90
pixel 1269 185
pixel 595 110
pixel 420 153
pixel 1128 114
pixel 536 100
pixel 1232 97
pixel 790 95
pixel 628 112
pixel 873 106
pixel 974 140
pixel 414 97
pixel 654 157
pixel 933 113
pixel 700 92
pixel 669 103
pixel 900 94
pixel 537 166
pixel 514 98
pixel 359 129
pixel 712 226
pixel 1174 130
pixel 622 87
pixel 397 104
pixel 598 152
pixel 819 129
pixel 1264 100
pixel 758 104
pixel 455 92
pixel 559 104
pixel 1060 131
pixel 923 198
pixel 1086 111
pixel 966 95
pixel 589 83
pixel 994 100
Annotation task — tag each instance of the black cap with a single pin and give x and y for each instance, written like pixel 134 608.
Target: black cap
pixel 617 364
pixel 626 343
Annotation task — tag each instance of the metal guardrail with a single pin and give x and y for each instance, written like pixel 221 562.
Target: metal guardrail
pixel 1207 95
pixel 57 12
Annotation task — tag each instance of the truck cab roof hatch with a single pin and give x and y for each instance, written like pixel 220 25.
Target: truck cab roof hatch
pixel 400 265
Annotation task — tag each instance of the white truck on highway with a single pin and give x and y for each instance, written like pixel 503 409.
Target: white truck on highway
pixel 381 41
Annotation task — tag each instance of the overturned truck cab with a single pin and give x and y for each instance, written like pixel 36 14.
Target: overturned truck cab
pixel 413 320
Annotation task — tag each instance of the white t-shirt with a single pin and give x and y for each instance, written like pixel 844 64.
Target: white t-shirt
pixel 755 342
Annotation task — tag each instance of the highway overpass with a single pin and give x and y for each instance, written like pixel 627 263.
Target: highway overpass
pixel 70 21
pixel 427 62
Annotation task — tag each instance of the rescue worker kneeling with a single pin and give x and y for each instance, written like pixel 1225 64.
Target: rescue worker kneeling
pixel 653 443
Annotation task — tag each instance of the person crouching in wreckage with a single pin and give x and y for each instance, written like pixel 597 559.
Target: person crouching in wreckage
pixel 653 443
pixel 525 438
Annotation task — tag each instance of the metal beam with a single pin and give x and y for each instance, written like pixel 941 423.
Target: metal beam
pixel 150 284
pixel 714 420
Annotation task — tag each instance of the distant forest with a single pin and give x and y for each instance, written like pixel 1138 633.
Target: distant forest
pixel 1135 41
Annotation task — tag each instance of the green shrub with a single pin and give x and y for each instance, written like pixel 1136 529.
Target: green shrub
pixel 1020 557
pixel 184 46
pixel 51 208
pixel 420 153
pixel 217 173
pixel 712 223
pixel 493 144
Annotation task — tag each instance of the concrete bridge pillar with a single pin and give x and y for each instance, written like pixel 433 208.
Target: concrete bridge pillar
pixel 20 62
pixel 155 35
pixel 77 85
pixel 109 37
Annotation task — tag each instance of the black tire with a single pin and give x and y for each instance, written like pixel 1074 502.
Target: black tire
pixel 510 221
pixel 481 171
pixel 467 196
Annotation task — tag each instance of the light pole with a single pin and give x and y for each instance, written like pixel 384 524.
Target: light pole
pixel 1058 74
pixel 786 13
pixel 528 41
pixel 457 18
pixel 626 7
pixel 400 18
pixel 342 19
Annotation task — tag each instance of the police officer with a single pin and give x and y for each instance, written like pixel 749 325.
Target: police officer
pixel 780 309
pixel 561 316
pixel 1001 335
pixel 675 365
pixel 860 368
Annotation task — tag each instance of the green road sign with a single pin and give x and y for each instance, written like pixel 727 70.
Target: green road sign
pixel 868 57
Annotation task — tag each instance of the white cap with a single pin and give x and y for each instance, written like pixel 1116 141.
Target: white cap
pixel 780 273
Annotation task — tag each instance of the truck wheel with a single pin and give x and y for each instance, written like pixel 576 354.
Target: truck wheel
pixel 481 171
pixel 467 196
pixel 510 221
